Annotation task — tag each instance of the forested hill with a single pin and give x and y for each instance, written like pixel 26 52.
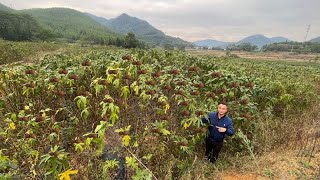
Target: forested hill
pixel 58 24
pixel 21 27
pixel 144 30
pixel 71 24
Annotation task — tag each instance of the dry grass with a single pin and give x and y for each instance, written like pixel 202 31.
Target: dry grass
pixel 287 56
pixel 275 165
pixel 298 157
pixel 281 164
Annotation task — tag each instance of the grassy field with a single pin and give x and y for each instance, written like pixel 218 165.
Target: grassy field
pixel 62 105
pixel 267 56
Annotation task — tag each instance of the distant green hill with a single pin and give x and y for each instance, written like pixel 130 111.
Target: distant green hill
pixel 71 24
pixel 143 30
pixel 98 19
pixel 315 40
pixel 62 23
pixel 21 27
pixel 211 43
pixel 261 40
pixel 5 8
pixel 257 40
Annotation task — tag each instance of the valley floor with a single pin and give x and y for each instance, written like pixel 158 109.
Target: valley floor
pixel 287 56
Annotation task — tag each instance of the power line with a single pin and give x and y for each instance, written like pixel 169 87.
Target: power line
pixel 307 32
pixel 305 37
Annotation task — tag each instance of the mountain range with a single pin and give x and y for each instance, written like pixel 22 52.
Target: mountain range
pixel 5 8
pixel 142 29
pixel 75 25
pixel 258 40
pixel 315 40
pixel 69 23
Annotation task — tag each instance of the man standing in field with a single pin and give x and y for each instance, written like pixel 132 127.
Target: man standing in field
pixel 219 125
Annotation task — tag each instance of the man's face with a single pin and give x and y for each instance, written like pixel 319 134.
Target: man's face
pixel 222 109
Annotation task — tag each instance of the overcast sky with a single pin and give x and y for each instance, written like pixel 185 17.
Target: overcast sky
pixel 226 20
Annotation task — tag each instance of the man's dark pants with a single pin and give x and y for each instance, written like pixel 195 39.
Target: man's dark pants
pixel 212 149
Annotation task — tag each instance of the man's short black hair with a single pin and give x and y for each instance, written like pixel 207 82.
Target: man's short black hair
pixel 223 102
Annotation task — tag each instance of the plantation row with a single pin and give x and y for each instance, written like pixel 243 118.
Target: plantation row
pixel 143 104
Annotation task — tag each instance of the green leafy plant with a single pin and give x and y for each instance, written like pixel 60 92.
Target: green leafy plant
pixel 54 161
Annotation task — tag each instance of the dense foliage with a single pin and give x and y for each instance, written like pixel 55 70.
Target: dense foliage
pixel 62 25
pixel 298 47
pixel 242 47
pixel 21 27
pixel 144 104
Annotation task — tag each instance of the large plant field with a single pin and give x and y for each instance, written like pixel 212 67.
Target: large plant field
pixel 77 110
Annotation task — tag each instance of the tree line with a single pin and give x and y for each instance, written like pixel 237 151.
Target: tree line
pixel 298 47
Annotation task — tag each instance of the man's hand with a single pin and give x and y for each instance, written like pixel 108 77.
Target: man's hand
pixel 221 129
